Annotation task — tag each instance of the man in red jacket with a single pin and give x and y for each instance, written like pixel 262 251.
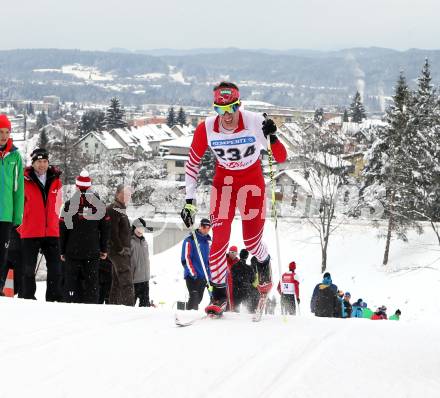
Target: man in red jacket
pixel 40 228
pixel 236 137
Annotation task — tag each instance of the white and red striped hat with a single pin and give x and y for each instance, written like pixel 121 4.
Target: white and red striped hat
pixel 83 181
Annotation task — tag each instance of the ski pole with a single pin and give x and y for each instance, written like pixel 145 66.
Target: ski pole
pixel 274 205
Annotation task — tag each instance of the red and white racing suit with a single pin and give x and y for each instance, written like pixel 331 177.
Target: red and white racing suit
pixel 238 183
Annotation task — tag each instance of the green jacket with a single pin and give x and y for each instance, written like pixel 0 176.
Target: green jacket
pixel 367 313
pixel 11 185
pixel 394 317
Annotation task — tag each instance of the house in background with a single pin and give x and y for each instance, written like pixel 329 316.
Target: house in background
pixel 177 155
pixel 96 145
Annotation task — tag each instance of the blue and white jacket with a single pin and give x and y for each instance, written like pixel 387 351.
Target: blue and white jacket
pixel 190 257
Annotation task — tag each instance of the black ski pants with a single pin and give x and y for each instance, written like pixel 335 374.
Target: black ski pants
pixel 5 233
pixel 51 252
pixel 81 283
pixel 196 288
pixel 105 284
pixel 122 289
pixel 288 305
pixel 142 292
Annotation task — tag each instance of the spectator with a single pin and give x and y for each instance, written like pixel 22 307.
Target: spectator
pixel 396 316
pixel 324 301
pixel 288 288
pixel 381 313
pixel 347 305
pixel 231 259
pixel 366 312
pixel 340 311
pixel 357 309
pixel 122 289
pixel 243 277
pixel 193 264
pixel 140 263
pixel 40 228
pixel 11 193
pixel 84 234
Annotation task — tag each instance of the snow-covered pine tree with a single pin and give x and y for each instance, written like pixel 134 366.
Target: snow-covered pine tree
pixel 41 120
pixel 386 170
pixel 92 120
pixel 318 117
pixel 181 117
pixel 114 116
pixel 423 150
pixel 357 109
pixel 171 118
pixel 345 116
pixel 43 140
pixel 207 166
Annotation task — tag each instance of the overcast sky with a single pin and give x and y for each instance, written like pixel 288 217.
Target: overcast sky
pixel 182 24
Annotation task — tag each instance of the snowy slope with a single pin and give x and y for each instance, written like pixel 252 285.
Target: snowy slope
pixel 68 350
pixel 62 350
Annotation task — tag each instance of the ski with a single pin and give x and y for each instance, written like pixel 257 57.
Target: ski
pixel 260 307
pixel 183 324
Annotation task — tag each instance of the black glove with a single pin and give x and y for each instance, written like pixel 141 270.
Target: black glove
pixel 188 213
pixel 298 300
pixel 269 130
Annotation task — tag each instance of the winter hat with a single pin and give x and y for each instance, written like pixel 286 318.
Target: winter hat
pixel 39 153
pixel 244 254
pixel 83 181
pixel 233 249
pixel 359 301
pixel 205 222
pixel 139 223
pixel 347 294
pixel 398 312
pixel 292 266
pixel 327 275
pixel 5 123
pixel 254 260
pixel 226 95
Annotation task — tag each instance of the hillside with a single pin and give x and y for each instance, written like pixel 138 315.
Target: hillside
pixel 297 78
pixel 70 350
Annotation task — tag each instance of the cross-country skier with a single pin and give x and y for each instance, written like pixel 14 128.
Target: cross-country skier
pixel 289 289
pixel 236 138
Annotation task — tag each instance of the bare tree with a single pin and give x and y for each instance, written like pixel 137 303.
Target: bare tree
pixel 325 172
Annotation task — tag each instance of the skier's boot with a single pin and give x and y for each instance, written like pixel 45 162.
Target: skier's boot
pixel 218 300
pixel 264 276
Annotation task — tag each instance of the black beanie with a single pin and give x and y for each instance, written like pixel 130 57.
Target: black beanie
pixel 39 153
pixel 244 254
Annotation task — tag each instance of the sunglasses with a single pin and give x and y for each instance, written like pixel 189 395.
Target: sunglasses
pixel 230 108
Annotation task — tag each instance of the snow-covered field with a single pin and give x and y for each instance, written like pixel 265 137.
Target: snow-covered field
pixel 68 350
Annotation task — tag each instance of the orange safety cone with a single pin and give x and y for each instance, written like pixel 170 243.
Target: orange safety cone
pixel 8 290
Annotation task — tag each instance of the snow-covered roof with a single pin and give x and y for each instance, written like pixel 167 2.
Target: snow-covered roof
pixel 181 142
pixel 125 136
pixel 183 130
pixel 105 138
pixel 351 128
pixel 315 185
pixel 176 157
pixel 156 132
pixel 328 160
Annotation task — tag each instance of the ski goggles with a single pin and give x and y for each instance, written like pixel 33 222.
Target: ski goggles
pixel 230 108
